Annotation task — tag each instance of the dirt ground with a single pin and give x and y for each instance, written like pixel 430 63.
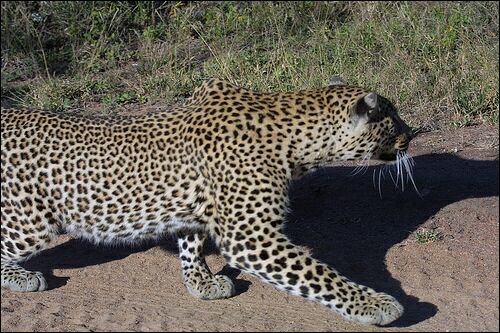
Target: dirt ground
pixel 448 284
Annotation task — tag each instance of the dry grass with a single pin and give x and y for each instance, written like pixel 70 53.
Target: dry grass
pixel 438 61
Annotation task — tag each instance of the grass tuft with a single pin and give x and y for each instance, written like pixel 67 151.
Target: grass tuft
pixel 424 236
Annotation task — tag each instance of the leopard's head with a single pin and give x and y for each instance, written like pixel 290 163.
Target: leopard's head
pixel 388 133
pixel 370 127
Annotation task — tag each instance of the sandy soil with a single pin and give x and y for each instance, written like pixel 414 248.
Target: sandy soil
pixel 449 284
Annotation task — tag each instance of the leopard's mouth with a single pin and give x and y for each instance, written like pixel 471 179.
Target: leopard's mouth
pixel 399 147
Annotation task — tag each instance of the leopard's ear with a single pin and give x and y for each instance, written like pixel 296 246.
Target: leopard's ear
pixel 371 100
pixel 364 107
pixel 337 81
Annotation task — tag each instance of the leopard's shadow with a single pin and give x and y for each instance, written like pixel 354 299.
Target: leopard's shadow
pixel 349 226
pixel 342 218
pixel 77 253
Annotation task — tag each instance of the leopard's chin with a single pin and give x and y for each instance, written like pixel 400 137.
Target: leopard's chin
pixel 387 157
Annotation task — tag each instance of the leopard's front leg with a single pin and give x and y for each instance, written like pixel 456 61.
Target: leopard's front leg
pixel 198 279
pixel 277 261
pixel 250 238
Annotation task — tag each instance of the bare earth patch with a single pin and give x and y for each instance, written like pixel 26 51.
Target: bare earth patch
pixel 446 282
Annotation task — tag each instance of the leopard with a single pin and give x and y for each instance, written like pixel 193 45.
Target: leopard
pixel 217 166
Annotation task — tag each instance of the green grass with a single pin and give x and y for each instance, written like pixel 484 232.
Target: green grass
pixel 438 61
pixel 424 236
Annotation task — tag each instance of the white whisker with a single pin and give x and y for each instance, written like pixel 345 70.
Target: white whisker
pixel 409 170
pixel 398 167
pixel 402 176
pixel 392 177
pixel 415 186
pixel 362 166
pixel 379 186
pixel 412 161
pixel 403 164
pixel 407 167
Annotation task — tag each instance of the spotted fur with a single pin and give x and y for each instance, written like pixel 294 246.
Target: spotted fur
pixel 218 166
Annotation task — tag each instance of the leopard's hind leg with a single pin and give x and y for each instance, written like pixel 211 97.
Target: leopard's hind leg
pixel 198 279
pixel 25 232
pixel 16 278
